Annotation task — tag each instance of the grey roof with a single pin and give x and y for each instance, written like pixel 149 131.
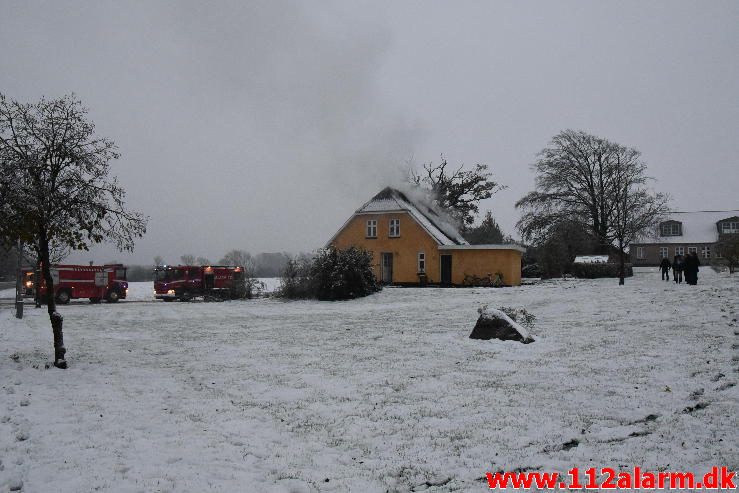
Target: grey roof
pixel 429 217
pixel 697 227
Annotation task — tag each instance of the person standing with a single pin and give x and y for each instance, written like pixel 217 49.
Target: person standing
pixel 677 269
pixel 691 268
pixel 697 263
pixel 665 267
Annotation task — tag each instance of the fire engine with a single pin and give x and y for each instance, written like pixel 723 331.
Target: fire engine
pixel 185 282
pixel 95 282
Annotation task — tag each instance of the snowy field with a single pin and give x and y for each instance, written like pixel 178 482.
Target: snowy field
pixel 381 394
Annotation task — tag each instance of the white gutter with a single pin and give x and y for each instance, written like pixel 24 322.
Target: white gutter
pixel 497 246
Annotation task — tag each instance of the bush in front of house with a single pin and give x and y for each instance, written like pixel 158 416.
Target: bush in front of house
pixel 532 270
pixel 296 282
pixel 598 270
pixel 332 274
pixel 343 274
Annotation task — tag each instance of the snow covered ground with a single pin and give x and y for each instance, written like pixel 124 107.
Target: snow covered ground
pixel 383 393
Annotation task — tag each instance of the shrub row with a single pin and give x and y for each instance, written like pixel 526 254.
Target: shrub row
pixel 332 274
pixel 594 271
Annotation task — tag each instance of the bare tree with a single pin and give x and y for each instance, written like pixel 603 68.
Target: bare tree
pixel 556 252
pixel 202 261
pixel 158 260
pixel 457 190
pixel 270 264
pixel 240 258
pixel 574 184
pixel 635 209
pixel 57 192
pixel 187 259
pixel 590 182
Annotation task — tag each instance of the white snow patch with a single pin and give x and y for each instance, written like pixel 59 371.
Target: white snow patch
pixel 383 393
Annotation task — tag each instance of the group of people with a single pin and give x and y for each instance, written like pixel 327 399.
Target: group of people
pixel 688 264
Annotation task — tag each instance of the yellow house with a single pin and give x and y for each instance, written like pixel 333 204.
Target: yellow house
pixel 413 243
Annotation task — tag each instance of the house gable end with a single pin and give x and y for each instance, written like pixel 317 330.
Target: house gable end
pixel 383 218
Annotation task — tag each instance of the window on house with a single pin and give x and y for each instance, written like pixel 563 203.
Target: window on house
pixel 680 251
pixel 718 254
pixel 640 254
pixel 372 228
pixel 706 251
pixel 394 228
pixel 693 250
pixel 421 262
pixel 672 228
pixel 730 227
pixel 663 252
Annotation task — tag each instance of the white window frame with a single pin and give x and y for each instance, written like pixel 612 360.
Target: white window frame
pixel 640 253
pixel 706 251
pixel 371 230
pixel 680 251
pixel 421 262
pixel 730 227
pixel 664 252
pixel 671 229
pixel 394 228
pixel 693 250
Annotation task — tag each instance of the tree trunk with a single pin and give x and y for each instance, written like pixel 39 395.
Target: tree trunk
pixel 621 264
pixel 56 319
pixel 37 281
pixel 19 282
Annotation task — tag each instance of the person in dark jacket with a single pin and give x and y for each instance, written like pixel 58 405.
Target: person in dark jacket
pixel 677 269
pixel 665 267
pixel 691 268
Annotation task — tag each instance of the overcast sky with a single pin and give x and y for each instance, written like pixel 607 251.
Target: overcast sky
pixel 263 126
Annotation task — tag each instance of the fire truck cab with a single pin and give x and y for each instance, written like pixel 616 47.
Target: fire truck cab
pixel 96 282
pixel 185 282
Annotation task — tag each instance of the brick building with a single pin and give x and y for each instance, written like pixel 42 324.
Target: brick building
pixel 684 232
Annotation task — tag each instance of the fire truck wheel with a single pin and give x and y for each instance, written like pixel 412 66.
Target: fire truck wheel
pixel 94 300
pixel 113 296
pixel 63 297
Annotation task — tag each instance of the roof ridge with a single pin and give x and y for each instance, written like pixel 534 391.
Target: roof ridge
pixel 693 212
pixel 420 208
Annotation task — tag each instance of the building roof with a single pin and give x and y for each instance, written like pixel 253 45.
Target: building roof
pixel 434 221
pixel 420 207
pixel 697 227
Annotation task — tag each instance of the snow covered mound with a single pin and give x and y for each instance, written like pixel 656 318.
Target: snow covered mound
pixel 495 324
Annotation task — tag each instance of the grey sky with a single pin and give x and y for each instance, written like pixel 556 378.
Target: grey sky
pixel 263 126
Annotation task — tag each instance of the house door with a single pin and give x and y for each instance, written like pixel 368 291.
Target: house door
pixel 387 268
pixel 446 270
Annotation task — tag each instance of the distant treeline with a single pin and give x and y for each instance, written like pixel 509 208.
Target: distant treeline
pixel 265 264
pixel 260 265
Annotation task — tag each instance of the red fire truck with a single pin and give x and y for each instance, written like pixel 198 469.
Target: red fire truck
pixel 95 282
pixel 184 282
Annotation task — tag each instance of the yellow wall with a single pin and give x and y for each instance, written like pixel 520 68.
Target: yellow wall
pixel 482 263
pixel 413 239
